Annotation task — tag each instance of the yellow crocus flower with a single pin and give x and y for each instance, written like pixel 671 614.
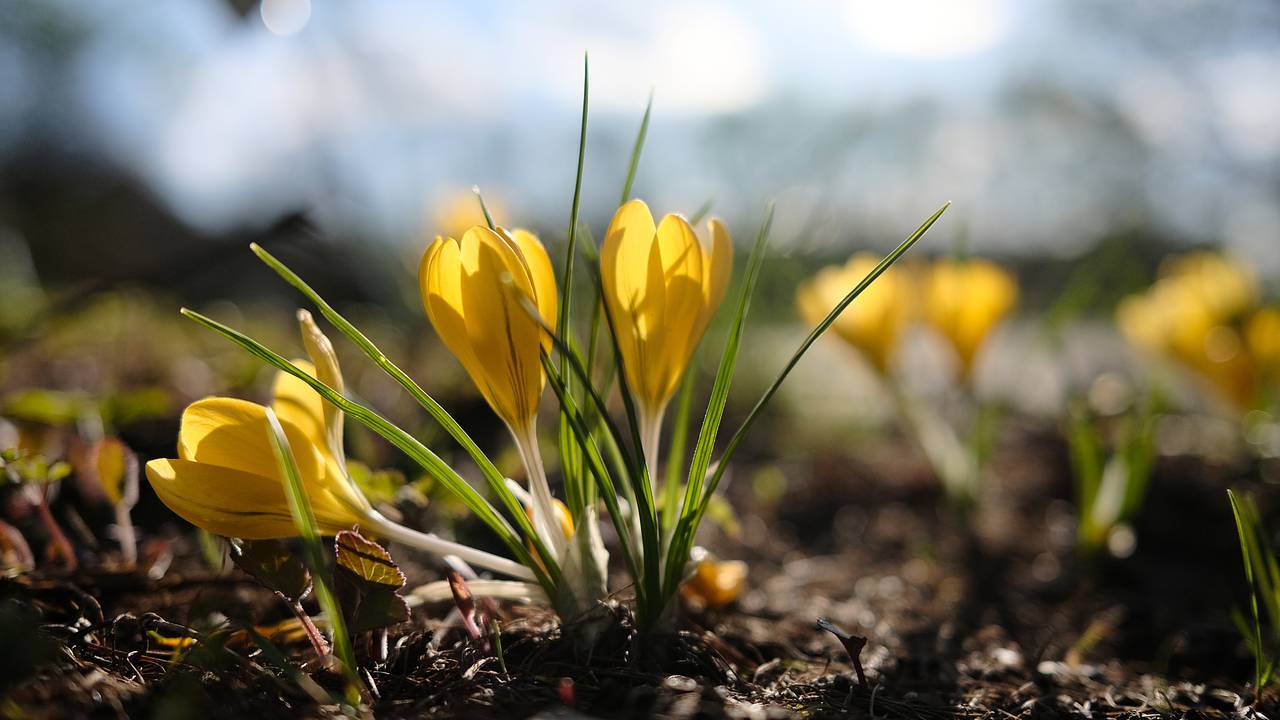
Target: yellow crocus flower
pixel 715 584
pixel 964 300
pixel 872 324
pixel 474 290
pixel 477 293
pixel 226 479
pixel 1197 313
pixel 662 285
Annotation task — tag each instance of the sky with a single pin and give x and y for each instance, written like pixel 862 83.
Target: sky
pixel 1049 123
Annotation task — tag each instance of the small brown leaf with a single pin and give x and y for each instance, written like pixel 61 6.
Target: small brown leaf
pixel 853 645
pixel 367 582
pixel 367 560
pixel 465 603
pixel 273 564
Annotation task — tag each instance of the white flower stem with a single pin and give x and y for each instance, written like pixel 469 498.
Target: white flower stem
pixel 546 521
pixel 651 440
pixel 431 543
pixel 440 591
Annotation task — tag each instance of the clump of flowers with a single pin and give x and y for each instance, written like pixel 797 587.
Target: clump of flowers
pixel 1205 312
pixel 962 302
pixel 493 296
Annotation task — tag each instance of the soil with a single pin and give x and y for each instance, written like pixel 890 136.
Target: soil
pixel 990 615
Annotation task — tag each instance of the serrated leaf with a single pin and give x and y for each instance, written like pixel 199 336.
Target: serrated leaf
pixel 367 582
pixel 272 563
pixel 367 560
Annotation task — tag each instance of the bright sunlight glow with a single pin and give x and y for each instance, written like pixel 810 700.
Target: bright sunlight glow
pixel 927 29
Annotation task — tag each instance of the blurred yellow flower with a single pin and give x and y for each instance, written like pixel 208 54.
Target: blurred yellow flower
pixel 474 290
pixel 454 213
pixel 662 285
pixel 226 479
pixel 964 300
pixel 1224 287
pixel 872 324
pixel 1262 336
pixel 715 584
pixel 1202 312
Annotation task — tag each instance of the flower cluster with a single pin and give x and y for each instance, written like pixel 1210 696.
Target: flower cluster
pixel 963 301
pixel 492 295
pixel 1205 312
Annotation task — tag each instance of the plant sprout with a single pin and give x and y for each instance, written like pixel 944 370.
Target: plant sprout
pixel 1261 627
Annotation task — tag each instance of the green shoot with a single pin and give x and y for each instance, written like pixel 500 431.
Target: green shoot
pixel 1109 488
pixel 635 152
pixel 305 520
pixel 1262 572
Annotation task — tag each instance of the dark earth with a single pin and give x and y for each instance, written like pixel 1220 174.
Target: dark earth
pixel 994 617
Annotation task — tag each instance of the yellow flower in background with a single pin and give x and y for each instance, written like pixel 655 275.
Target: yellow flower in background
pixel 872 324
pixel 474 290
pixel 715 583
pixel 964 300
pixel 662 285
pixel 452 214
pixel 226 478
pixel 1262 337
pixel 1223 287
pixel 1202 312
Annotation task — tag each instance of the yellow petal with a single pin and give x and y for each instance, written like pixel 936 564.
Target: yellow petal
pixel 719 264
pixel 624 256
pixel 672 337
pixel 543 276
pixel 232 433
pixel 715 584
pixel 294 401
pixel 234 503
pixel 440 278
pixel 327 371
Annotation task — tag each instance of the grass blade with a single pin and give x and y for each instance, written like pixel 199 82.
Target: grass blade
pixel 304 519
pixel 641 486
pixel 595 464
pixel 576 494
pixel 675 453
pixel 636 149
pixel 1240 507
pixel 687 525
pixel 813 336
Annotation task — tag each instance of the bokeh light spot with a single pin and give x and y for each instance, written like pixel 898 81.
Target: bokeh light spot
pixel 286 17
